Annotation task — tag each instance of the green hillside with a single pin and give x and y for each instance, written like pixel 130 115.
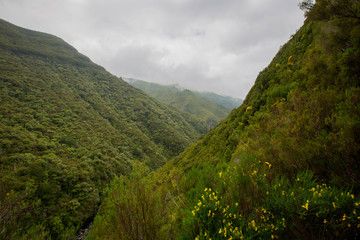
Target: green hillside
pixel 203 106
pixel 67 127
pixel 226 101
pixel 284 165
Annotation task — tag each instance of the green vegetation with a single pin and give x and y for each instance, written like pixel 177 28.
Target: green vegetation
pixel 67 127
pixel 209 107
pixel 284 165
pixel 225 101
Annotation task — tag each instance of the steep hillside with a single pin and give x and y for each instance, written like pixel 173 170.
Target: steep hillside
pixel 191 102
pixel 284 165
pixel 67 127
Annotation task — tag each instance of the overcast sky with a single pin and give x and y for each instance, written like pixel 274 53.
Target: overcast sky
pixel 206 45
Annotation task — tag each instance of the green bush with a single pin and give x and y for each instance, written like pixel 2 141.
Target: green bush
pixel 249 202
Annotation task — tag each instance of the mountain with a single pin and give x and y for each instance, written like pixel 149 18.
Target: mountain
pixel 209 107
pixel 67 127
pixel 226 101
pixel 284 165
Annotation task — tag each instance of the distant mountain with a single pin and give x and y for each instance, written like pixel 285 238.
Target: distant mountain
pixel 209 107
pixel 226 101
pixel 67 127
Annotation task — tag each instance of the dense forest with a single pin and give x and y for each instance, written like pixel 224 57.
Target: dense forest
pixel 77 142
pixel 67 128
pixel 284 165
pixel 209 107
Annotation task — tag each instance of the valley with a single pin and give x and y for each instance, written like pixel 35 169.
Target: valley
pixel 80 145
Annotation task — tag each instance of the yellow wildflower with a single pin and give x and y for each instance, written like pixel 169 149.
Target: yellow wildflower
pixel 325 221
pixel 306 206
pixel 269 164
pixel 253 223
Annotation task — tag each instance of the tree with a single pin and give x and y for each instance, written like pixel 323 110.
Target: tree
pixel 306 5
pixel 328 9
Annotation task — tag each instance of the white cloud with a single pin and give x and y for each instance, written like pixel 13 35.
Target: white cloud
pixel 208 45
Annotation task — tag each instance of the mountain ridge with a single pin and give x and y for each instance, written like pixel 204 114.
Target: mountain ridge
pixel 210 107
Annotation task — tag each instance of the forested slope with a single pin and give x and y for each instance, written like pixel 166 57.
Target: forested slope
pixel 284 165
pixel 67 127
pixel 226 101
pixel 185 100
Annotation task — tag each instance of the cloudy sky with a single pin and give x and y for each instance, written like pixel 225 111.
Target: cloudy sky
pixel 206 45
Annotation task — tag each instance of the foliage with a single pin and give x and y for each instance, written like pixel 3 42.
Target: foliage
pixel 242 201
pixel 247 203
pixel 131 210
pixel 325 10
